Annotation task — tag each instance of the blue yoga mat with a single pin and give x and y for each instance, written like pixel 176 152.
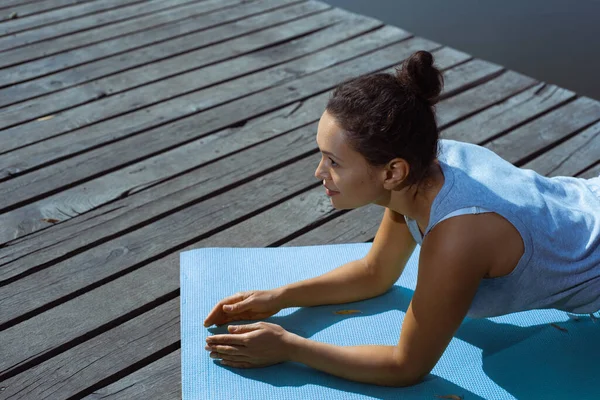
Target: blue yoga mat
pixel 518 356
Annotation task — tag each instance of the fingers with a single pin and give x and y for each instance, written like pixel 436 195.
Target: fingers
pixel 237 329
pixel 227 353
pixel 237 307
pixel 229 350
pixel 232 340
pixel 217 311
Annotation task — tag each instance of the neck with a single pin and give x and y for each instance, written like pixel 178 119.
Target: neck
pixel 415 201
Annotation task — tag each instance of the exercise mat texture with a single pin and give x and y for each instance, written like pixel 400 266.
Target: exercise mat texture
pixel 539 354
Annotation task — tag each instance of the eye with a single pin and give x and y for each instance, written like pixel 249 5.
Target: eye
pixel 333 163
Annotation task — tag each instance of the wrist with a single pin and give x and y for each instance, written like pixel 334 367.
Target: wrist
pixel 294 344
pixel 280 297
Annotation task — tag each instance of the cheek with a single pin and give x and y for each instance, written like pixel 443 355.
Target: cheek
pixel 357 185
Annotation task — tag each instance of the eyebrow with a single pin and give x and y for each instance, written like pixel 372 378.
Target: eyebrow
pixel 326 152
pixel 330 154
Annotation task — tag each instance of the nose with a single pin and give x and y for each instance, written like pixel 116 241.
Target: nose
pixel 320 173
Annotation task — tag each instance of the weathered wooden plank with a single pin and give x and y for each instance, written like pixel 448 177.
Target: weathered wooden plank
pixel 530 140
pixel 510 113
pixel 187 87
pixel 35 44
pixel 356 226
pixel 593 172
pixel 478 98
pixel 469 75
pixel 161 379
pixel 570 157
pixel 187 62
pixel 15 3
pixel 81 367
pixel 195 102
pixel 63 14
pixel 98 60
pixel 182 94
pixel 33 7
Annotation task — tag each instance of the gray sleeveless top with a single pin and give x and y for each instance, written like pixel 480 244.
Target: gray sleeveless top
pixel 558 219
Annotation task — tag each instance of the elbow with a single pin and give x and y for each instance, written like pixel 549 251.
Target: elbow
pixel 403 378
pixel 375 283
pixel 405 373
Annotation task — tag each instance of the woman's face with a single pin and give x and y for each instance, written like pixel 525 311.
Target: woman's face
pixel 343 170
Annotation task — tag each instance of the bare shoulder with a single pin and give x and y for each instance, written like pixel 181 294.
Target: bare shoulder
pixel 488 240
pixel 467 240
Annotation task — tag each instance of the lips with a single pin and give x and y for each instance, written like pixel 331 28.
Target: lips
pixel 329 190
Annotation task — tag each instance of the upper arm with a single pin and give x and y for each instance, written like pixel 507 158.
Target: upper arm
pixel 451 266
pixel 391 249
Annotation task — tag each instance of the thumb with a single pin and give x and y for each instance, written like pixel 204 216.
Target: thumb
pixel 242 328
pixel 238 307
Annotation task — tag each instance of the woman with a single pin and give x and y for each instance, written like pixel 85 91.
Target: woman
pixel 495 239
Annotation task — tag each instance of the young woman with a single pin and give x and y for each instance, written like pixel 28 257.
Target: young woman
pixel 495 239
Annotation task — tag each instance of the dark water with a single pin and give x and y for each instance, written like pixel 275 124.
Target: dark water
pixel 555 41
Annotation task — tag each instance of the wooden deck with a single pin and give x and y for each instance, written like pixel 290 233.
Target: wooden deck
pixel 131 130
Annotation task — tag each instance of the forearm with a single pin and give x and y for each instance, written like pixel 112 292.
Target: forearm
pixel 379 365
pixel 352 281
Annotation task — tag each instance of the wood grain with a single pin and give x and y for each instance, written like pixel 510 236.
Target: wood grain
pixel 508 114
pixel 571 157
pixel 82 366
pixel 537 136
pixel 21 188
pixel 173 65
pixel 95 61
pixel 61 15
pixel 36 43
pixel 162 379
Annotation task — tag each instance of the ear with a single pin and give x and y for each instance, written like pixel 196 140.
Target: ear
pixel 395 173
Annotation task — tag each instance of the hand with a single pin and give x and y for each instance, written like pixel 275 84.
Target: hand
pixel 249 346
pixel 253 305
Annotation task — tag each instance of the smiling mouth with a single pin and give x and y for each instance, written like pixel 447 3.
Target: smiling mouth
pixel 330 192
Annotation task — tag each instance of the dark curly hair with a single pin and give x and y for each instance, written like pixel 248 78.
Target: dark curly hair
pixel 386 116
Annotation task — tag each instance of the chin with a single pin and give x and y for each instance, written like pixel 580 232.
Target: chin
pixel 345 206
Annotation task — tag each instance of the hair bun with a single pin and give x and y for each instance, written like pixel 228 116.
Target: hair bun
pixel 420 76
